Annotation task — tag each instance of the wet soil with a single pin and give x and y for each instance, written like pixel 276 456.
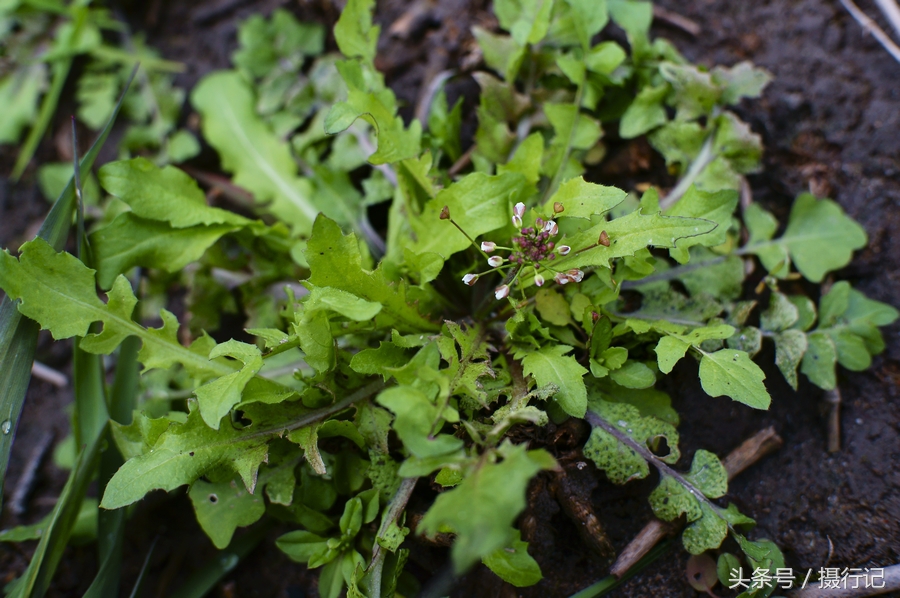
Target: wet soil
pixel 830 119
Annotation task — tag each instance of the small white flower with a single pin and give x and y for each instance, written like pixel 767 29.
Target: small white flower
pixel 470 279
pixel 488 246
pixel 575 275
pixel 539 280
pixel 519 209
pixel 561 278
pixel 501 292
pixel 564 249
pixel 495 261
pixel 551 228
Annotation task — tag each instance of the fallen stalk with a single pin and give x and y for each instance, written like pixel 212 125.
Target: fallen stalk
pixel 872 27
pixel 395 509
pixel 749 452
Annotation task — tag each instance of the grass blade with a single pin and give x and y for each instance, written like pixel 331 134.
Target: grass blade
pixel 139 583
pixel 111 524
pixel 61 70
pixel 201 582
pixel 36 579
pixel 18 335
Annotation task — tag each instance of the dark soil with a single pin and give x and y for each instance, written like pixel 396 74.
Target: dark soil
pixel 830 119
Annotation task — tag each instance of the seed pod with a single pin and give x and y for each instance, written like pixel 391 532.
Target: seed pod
pixel 558 208
pixel 604 239
pixel 445 213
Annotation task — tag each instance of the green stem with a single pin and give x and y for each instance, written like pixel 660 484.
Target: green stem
pixel 703 159
pixel 394 510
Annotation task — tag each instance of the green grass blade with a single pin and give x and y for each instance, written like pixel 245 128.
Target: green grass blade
pixel 18 335
pixel 139 583
pixel 36 579
pixel 61 70
pixel 201 582
pixel 610 583
pixel 111 524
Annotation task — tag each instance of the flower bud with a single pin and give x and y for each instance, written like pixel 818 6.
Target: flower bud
pixel 519 209
pixel 575 275
pixel 561 278
pixel 488 246
pixel 501 292
pixel 551 228
pixel 604 239
pixel 564 249
pixel 539 280
pixel 445 213
pixel 495 261
pixel 470 279
pixel 558 208
pixel 517 221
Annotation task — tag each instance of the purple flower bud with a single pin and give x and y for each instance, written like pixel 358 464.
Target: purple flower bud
pixel 539 223
pixel 564 250
pixel 488 246
pixel 495 261
pixel 519 209
pixel 470 279
pixel 501 292
pixel 561 278
pixel 539 280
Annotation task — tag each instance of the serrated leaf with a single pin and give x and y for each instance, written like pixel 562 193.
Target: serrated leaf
pixel 415 417
pixel 260 162
pixel 732 373
pixel 513 564
pixel 222 508
pixel 695 94
pixel 378 107
pixel 130 241
pixel 706 529
pixel 335 261
pixel 715 207
pixel 527 20
pixel 581 199
pixel 164 194
pixel 482 508
pixel 619 461
pixel 819 238
pixel 628 235
pixel 743 80
pixel 551 365
pixel 182 454
pixel 354 33
pixel 216 398
pixel 341 302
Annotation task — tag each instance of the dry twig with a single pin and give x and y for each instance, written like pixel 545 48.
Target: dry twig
pixel 48 374
pixel 26 480
pixel 749 452
pixel 676 20
pixel 872 27
pixel 891 12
